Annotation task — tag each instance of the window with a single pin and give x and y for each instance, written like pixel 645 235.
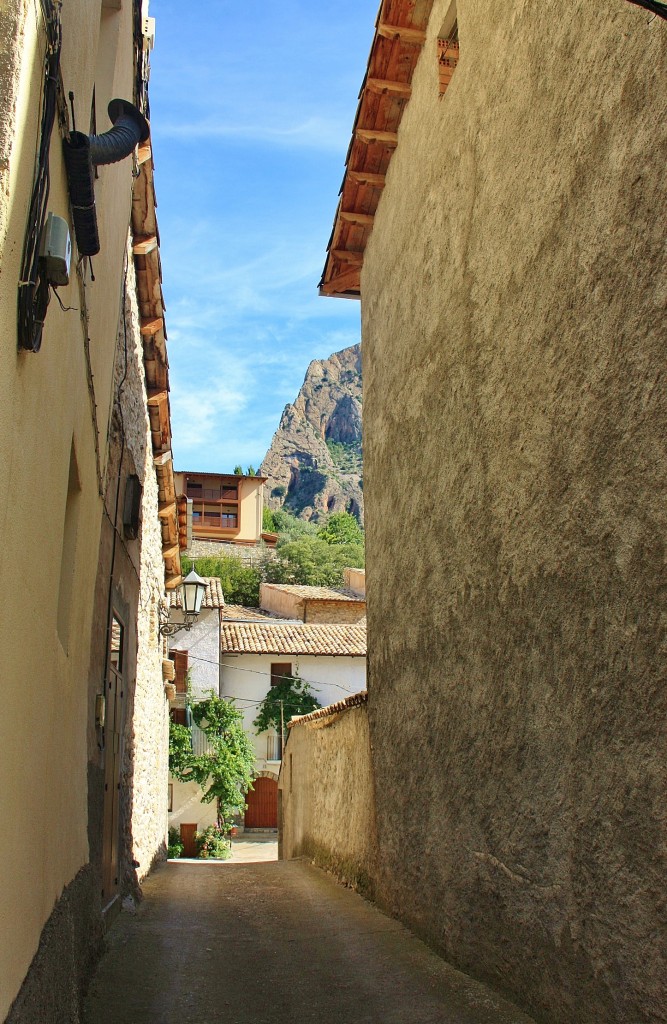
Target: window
pixel 448 49
pixel 280 670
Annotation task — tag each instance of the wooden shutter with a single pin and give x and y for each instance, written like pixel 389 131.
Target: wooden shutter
pixel 280 669
pixel 180 668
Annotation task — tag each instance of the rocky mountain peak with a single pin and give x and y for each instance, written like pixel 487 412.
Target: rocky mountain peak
pixel 314 464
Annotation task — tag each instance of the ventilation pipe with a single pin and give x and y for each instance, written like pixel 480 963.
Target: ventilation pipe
pixel 83 152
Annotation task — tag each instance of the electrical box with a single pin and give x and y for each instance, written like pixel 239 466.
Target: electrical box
pixel 56 250
pixel 149 33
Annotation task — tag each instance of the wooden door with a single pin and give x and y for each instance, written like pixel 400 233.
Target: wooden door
pixel 188 840
pixel 262 804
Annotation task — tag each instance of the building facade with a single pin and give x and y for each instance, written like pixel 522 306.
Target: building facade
pixel 88 504
pixel 502 217
pixel 223 508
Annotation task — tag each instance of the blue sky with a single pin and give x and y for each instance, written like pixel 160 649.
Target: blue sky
pixel 252 106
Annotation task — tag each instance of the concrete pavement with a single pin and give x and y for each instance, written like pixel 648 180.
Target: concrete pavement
pixel 271 943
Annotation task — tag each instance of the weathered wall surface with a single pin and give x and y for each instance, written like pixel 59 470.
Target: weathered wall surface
pixel 50 516
pixel 513 309
pixel 146 754
pixel 335 611
pixel 326 795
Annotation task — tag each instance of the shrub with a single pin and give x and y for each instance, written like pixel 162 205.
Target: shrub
pixel 213 844
pixel 174 844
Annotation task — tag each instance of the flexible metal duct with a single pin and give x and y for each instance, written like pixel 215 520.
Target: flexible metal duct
pixel 82 152
pixel 130 127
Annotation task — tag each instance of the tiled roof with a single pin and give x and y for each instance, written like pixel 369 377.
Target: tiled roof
pixel 316 593
pixel 239 613
pixel 353 701
pixel 213 598
pixel 292 638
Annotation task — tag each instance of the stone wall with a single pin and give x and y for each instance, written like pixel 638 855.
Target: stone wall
pixel 513 344
pixel 326 793
pixel 346 612
pixel 249 554
pixel 147 738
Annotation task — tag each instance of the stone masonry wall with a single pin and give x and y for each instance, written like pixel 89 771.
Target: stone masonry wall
pixel 147 742
pixel 514 361
pixel 326 794
pixel 335 611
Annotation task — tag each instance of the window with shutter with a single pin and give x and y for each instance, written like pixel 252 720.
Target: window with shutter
pixel 279 670
pixel 180 659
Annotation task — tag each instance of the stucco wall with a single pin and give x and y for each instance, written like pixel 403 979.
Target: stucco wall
pixel 247 678
pixel 202 643
pixel 326 796
pixel 513 346
pixel 45 412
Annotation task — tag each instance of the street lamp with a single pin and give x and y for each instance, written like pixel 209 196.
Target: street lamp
pixel 193 589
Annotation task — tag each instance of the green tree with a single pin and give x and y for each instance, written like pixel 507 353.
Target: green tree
pixel 239 582
pixel 290 527
pixel 251 471
pixel 311 561
pixel 341 528
pixel 290 696
pixel 225 772
pixel 238 470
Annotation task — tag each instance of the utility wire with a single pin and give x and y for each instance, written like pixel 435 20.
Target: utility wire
pixel 654 6
pixel 260 672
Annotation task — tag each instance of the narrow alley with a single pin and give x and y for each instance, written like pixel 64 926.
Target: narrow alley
pixel 266 943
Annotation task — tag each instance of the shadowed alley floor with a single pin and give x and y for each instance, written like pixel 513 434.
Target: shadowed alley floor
pixel 271 943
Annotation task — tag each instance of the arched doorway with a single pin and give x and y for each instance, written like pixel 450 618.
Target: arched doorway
pixel 262 801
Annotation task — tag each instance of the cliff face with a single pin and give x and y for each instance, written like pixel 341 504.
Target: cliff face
pixel 314 464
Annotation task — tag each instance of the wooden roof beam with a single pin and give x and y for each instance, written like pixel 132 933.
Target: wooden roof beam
pixel 348 281
pixel 367 178
pixel 371 135
pixel 384 87
pixel 157 398
pixel 151 325
pixel 360 219
pixel 413 36
pixel 347 256
pixel 142 246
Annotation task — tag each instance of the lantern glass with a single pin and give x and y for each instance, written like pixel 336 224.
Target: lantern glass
pixel 194 588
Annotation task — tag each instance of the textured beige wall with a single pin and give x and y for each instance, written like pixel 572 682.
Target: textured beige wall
pixel 335 611
pixel 45 408
pixel 250 510
pixel 513 310
pixel 326 796
pixel 281 602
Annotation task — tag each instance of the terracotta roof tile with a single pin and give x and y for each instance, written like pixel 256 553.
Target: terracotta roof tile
pixel 213 598
pixel 281 637
pixel 317 593
pixel 239 613
pixel 353 701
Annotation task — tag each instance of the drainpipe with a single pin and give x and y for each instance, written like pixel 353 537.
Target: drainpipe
pixel 83 152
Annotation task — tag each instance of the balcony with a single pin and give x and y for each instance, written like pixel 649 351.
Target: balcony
pixel 218 493
pixel 214 518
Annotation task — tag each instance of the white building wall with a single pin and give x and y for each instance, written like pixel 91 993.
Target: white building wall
pixel 202 643
pixel 247 678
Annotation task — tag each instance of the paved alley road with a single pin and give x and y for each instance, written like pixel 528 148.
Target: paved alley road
pixel 272 943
